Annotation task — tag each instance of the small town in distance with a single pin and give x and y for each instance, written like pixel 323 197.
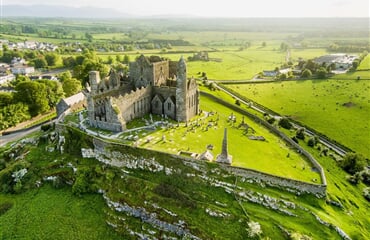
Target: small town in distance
pixel 170 126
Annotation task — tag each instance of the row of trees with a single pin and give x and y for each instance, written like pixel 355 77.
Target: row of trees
pixel 35 58
pixel 29 99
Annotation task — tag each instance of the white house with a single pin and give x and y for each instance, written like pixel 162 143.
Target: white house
pixel 6 78
pixel 22 69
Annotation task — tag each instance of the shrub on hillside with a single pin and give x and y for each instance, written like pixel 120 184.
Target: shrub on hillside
pixel 271 120
pixel 366 193
pixel 355 178
pixel 353 163
pixel 285 123
pixel 300 133
pixel 4 207
pixel 169 191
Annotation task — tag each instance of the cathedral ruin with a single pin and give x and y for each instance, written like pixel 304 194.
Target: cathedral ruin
pixel 154 85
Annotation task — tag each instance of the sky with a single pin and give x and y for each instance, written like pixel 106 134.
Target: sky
pixel 221 8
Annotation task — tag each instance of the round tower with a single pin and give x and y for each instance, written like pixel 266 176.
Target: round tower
pixel 181 92
pixel 94 79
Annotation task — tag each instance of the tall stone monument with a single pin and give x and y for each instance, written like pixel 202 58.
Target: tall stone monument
pixel 224 157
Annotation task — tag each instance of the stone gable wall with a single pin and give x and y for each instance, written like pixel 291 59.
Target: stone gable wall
pixel 134 104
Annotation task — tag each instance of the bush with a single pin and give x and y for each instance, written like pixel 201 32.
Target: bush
pixel 47 127
pixel 353 163
pixel 366 176
pixel 295 139
pixel 169 191
pixel 366 193
pixel 4 207
pixel 285 123
pixel 300 133
pixel 355 179
pixel 271 120
pixel 311 142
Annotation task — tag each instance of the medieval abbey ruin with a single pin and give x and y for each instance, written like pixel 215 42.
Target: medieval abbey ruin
pixel 154 85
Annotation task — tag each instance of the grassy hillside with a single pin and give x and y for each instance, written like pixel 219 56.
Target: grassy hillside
pixel 46 213
pixel 337 108
pixel 259 155
pixel 200 196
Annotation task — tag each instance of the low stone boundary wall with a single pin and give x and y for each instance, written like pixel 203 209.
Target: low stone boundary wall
pixel 319 190
pixel 275 131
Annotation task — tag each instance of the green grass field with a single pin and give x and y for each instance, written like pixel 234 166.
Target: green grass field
pixel 338 108
pixel 260 155
pixel 47 213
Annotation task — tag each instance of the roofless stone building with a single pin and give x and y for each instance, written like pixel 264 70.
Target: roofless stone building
pixel 154 85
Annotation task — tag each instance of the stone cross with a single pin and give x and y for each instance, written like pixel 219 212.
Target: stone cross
pixel 224 157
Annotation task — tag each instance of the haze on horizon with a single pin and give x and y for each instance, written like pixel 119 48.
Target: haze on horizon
pixel 221 8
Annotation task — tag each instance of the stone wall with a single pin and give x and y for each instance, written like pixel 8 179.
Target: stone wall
pixel 134 104
pixel 164 91
pixel 250 175
pixel 160 72
pixel 319 190
pixel 276 132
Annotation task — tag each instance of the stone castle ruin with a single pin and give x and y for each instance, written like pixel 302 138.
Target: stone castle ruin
pixel 154 85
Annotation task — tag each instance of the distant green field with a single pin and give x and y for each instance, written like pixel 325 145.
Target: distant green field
pixel 365 64
pixel 338 108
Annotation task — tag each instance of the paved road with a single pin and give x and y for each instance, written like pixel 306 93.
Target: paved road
pixel 17 135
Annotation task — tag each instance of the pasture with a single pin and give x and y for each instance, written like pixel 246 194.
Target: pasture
pixel 337 108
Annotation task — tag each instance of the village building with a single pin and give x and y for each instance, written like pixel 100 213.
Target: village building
pixel 154 85
pixel 22 69
pixel 340 60
pixel 73 102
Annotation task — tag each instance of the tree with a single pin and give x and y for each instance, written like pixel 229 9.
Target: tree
pixel 52 59
pixel 263 44
pixel 311 65
pixel 110 59
pixel 12 114
pixel 65 76
pixel 119 58
pixel 282 76
pixel 285 123
pixel 71 86
pixel 311 142
pixel 19 79
pixel 321 73
pixel 54 91
pixel 306 73
pixel 34 95
pixel 69 61
pixel 89 37
pixel 40 62
pixel 6 98
pixel 300 133
pixel 126 59
pixel 355 64
pixel 353 162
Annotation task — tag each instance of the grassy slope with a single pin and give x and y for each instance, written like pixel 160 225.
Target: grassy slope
pixel 46 213
pixel 319 104
pixel 262 156
pixel 64 216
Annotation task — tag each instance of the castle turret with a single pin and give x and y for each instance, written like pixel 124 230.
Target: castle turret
pixel 181 92
pixel 94 79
